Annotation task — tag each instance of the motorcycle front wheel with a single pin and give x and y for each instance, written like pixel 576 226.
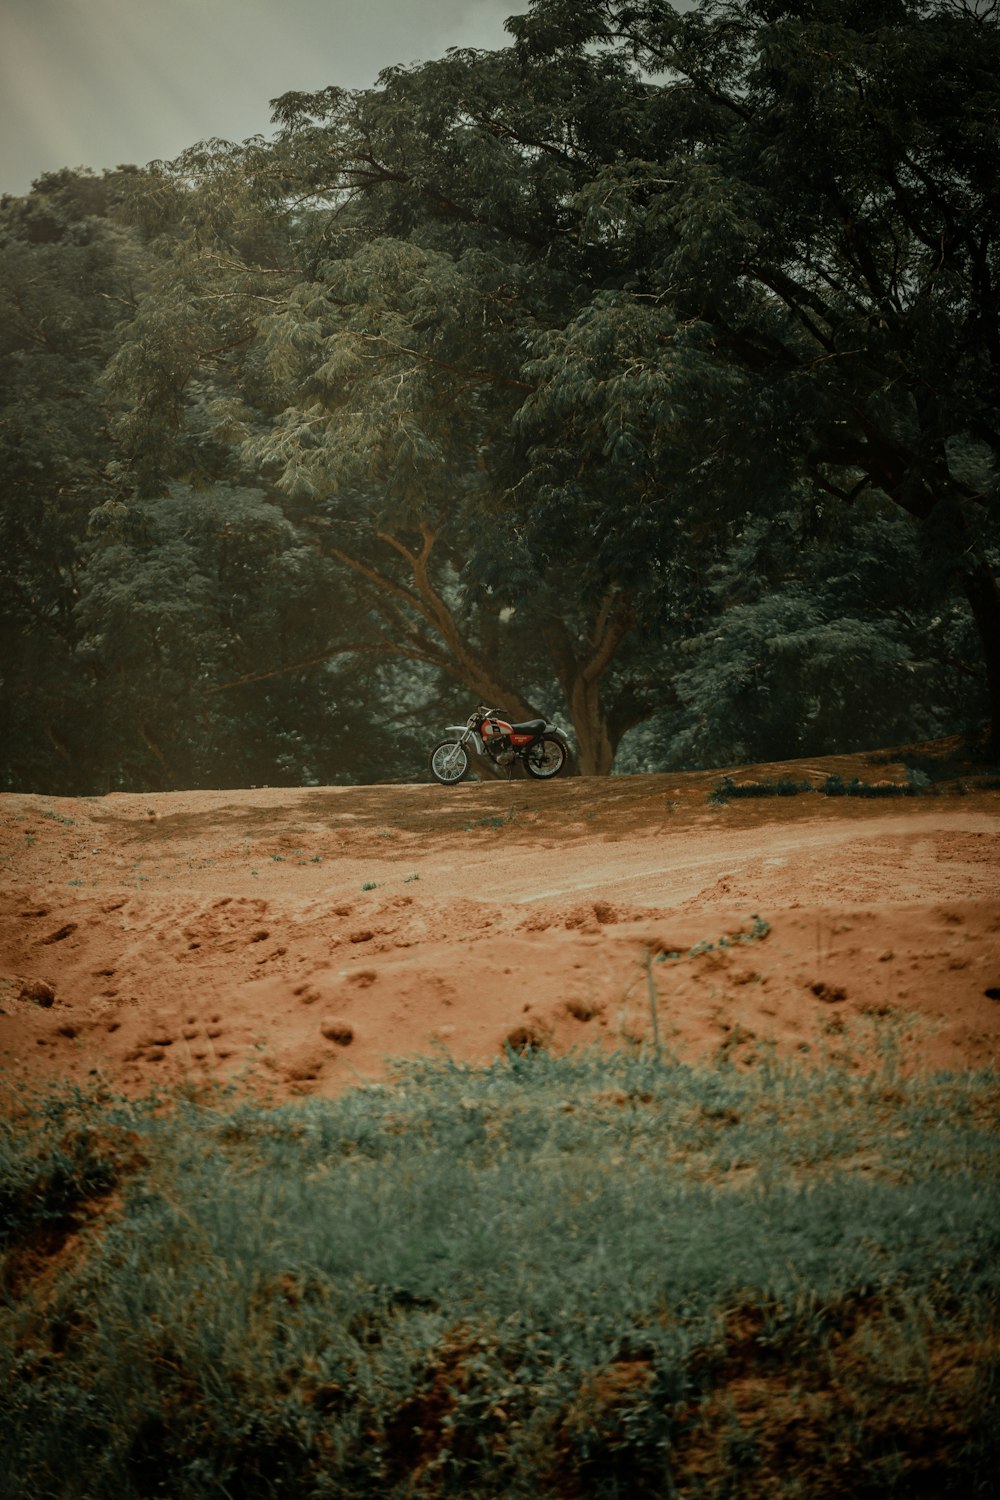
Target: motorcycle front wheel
pixel 545 758
pixel 449 762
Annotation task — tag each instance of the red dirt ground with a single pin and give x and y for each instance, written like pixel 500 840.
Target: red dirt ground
pixel 295 939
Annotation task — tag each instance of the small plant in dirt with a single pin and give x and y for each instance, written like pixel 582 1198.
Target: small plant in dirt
pixel 495 820
pixel 758 929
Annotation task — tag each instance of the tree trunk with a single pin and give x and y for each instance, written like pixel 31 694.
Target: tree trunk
pixel 581 672
pixel 596 751
pixel 981 589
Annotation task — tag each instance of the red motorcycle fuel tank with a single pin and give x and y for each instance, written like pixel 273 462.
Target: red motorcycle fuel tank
pixel 493 727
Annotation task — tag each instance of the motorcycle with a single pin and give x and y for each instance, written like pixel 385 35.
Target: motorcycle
pixel 541 747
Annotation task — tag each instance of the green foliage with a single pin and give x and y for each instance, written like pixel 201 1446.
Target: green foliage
pixel 175 597
pixel 822 633
pixel 832 230
pixel 643 361
pixel 62 1163
pixel 68 279
pixel 545 1276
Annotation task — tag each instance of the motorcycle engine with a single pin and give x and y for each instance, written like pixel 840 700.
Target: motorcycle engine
pixel 501 751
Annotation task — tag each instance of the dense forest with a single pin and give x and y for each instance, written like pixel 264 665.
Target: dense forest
pixel 644 373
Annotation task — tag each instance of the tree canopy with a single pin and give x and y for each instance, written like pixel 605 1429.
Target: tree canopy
pixel 656 351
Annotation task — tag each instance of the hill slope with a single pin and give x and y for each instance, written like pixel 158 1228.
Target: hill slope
pixel 297 938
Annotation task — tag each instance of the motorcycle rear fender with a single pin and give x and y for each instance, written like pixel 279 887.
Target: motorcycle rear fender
pixel 553 732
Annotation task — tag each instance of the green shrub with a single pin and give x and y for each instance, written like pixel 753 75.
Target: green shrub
pixel 550 1276
pixel 64 1153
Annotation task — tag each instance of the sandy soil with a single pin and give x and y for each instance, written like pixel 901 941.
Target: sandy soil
pixel 294 939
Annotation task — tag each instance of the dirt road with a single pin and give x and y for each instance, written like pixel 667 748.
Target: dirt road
pixel 294 939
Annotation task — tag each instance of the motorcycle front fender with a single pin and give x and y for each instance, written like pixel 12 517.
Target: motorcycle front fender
pixel 470 741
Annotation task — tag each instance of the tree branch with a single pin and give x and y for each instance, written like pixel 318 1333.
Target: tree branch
pixel 614 621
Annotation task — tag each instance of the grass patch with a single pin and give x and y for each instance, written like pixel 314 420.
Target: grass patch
pixel 587 1276
pixel 728 789
pixel 496 820
pixel 56 1163
pixel 917 784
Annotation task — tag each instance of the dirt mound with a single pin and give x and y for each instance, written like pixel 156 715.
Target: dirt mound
pixel 294 939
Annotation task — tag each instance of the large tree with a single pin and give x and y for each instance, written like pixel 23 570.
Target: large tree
pixel 524 335
pixel 814 192
pixel 135 633
pixel 380 368
pixel 69 277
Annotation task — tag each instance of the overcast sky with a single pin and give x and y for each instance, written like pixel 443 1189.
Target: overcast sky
pixel 97 83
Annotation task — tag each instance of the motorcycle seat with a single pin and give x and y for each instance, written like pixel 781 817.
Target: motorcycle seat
pixel 530 726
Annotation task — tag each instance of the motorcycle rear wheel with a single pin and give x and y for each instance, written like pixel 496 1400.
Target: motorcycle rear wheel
pixel 546 758
pixel 449 762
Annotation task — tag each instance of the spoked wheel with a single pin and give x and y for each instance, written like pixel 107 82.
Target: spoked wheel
pixel 449 762
pixel 545 758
